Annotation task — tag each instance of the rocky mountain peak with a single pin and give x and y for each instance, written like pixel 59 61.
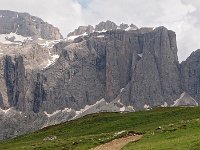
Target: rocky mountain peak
pixel 27 26
pixel 81 30
pixel 101 27
pixel 108 25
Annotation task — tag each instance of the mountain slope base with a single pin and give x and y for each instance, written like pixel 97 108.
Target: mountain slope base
pixel 161 128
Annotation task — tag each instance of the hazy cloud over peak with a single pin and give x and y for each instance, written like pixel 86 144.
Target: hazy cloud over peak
pixel 182 16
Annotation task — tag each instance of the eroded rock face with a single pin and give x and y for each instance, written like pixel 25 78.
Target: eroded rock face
pixel 99 66
pixel 14 75
pixel 156 77
pixel 81 30
pixel 27 25
pixel 101 27
pixel 190 71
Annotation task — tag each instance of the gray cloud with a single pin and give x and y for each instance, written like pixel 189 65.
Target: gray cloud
pixel 182 16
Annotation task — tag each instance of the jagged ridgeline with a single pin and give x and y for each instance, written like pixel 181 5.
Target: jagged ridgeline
pixel 27 25
pixel 46 79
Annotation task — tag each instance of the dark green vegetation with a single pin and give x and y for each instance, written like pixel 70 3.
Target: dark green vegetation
pixel 163 128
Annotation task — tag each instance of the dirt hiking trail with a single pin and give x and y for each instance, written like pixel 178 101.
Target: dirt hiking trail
pixel 118 144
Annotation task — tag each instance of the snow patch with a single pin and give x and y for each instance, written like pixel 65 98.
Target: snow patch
pixel 57 111
pixel 127 29
pixel 5 111
pixel 147 107
pixel 52 60
pixel 13 38
pixel 88 107
pixel 176 101
pixel 76 36
pixel 181 97
pixel 131 107
pixel 50 115
pixel 164 105
pixel 119 101
pixel 100 36
pixel 121 90
pixel 50 43
pixel 122 109
pixel 130 28
pixel 67 110
pixel 101 31
pixel 141 54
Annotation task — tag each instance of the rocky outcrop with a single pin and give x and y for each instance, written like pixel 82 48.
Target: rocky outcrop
pixel 27 26
pixel 81 30
pixel 190 71
pixel 101 27
pixel 108 25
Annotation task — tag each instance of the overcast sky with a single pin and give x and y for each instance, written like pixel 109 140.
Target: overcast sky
pixel 182 16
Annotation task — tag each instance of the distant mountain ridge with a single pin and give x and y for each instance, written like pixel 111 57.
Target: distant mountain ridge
pixel 101 27
pixel 27 25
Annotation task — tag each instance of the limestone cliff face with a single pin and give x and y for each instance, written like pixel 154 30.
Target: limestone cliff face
pixel 190 71
pixel 145 64
pixel 155 75
pixel 27 25
pixel 14 75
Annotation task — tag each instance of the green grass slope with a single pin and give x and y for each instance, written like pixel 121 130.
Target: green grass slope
pixel 163 128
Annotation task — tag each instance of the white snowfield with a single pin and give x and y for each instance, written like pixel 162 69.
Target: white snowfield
pixel 130 28
pixel 13 38
pixel 48 43
pixel 52 60
pixel 76 36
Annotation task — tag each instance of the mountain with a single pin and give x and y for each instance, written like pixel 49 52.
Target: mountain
pixel 46 80
pixel 26 25
pixel 101 27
